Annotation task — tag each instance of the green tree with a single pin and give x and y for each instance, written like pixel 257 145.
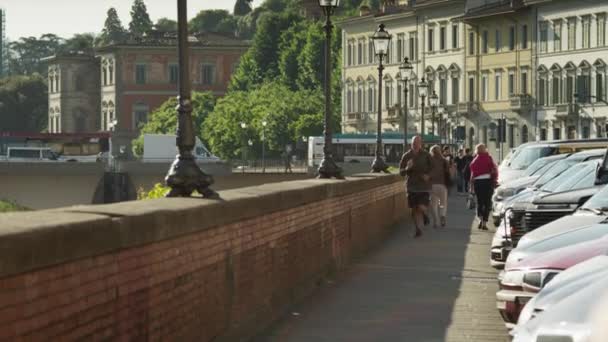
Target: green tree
pixel 242 7
pixel 140 20
pixel 80 42
pixel 290 47
pixel 311 60
pixel 166 25
pixel 23 103
pixel 113 31
pixel 164 119
pixel 26 53
pixel 247 76
pixel 211 21
pixel 272 102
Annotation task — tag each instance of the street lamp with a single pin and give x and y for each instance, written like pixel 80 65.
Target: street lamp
pixel 381 40
pixel 423 88
pixel 328 167
pixel 244 127
pixel 185 176
pixel 406 69
pixel 433 101
pixel 111 126
pixel 264 123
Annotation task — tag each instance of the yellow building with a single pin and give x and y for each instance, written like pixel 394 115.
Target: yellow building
pixel 499 74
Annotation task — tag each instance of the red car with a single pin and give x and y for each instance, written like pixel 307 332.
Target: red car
pixel 519 283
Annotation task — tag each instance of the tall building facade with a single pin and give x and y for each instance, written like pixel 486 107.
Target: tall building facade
pixel 539 64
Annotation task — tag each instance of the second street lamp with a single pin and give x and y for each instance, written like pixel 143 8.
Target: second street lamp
pixel 381 40
pixel 328 167
pixel 423 88
pixel 406 69
pixel 433 101
pixel 264 123
pixel 244 127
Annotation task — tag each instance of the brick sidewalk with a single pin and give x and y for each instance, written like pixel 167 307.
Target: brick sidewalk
pixel 437 288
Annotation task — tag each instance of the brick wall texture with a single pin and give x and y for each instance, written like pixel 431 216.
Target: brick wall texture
pixel 222 284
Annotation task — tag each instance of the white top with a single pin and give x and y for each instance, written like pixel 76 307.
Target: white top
pixel 484 176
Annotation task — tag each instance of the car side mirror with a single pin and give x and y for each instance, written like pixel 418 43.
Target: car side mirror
pixel 601 175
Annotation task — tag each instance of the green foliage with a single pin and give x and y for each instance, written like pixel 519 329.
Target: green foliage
pixel 158 191
pixel 113 31
pixel 272 102
pixel 27 52
pixel 290 47
pixel 312 60
pixel 213 21
pixel 166 25
pixel 79 42
pixel 140 19
pixel 23 103
pixel 247 76
pixel 242 7
pixel 7 206
pixel 164 119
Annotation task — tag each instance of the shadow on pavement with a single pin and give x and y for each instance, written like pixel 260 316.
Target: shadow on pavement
pixel 436 288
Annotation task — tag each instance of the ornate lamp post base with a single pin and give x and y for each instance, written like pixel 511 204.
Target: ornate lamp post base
pixel 329 169
pixel 379 166
pixel 184 177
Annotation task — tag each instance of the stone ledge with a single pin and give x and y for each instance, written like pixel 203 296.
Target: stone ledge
pixel 32 240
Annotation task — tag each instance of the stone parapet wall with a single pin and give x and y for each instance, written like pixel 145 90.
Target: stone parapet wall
pixel 185 269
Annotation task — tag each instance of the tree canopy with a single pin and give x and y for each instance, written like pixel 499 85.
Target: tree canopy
pixel 166 25
pixel 242 7
pixel 23 103
pixel 112 31
pixel 140 19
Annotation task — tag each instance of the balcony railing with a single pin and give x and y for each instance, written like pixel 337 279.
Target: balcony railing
pixel 520 102
pixel 352 118
pixel 467 107
pixel 567 109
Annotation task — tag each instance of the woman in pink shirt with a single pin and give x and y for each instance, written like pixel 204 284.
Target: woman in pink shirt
pixel 484 175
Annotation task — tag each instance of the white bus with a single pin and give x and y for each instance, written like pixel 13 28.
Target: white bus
pixel 361 148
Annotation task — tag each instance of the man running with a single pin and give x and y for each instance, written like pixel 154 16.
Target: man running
pixel 416 164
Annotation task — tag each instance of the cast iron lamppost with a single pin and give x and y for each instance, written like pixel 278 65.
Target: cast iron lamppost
pixel 244 127
pixel 328 167
pixel 406 69
pixel 264 123
pixel 423 88
pixel 185 176
pixel 381 39
pixel 433 101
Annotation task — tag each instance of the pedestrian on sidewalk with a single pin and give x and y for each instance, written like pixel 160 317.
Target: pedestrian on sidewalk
pixel 484 176
pixel 416 165
pixel 440 182
pixel 466 170
pixel 447 155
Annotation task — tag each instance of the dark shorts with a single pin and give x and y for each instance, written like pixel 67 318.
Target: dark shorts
pixel 415 199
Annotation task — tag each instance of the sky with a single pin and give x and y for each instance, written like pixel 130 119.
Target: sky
pixel 67 17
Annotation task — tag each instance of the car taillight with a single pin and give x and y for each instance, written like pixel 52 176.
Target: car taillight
pixel 513 231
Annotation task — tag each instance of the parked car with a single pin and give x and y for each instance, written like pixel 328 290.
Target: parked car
pixel 558 194
pixel 566 283
pixel 570 319
pixel 520 282
pixel 595 210
pixel 500 206
pixel 514 187
pixel 530 152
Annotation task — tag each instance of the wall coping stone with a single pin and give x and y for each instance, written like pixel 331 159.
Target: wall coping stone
pixel 32 240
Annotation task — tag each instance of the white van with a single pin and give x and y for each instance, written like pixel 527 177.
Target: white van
pixel 31 154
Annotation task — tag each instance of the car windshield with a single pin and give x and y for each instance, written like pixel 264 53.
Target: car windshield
pixel 529 155
pixel 510 155
pixel 554 171
pixel 582 179
pixel 536 166
pixel 543 169
pixel 599 200
pixel 566 176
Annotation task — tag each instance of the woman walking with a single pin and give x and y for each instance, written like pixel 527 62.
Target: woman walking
pixel 484 175
pixel 440 178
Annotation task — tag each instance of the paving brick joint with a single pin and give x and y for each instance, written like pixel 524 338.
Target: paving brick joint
pixel 436 288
